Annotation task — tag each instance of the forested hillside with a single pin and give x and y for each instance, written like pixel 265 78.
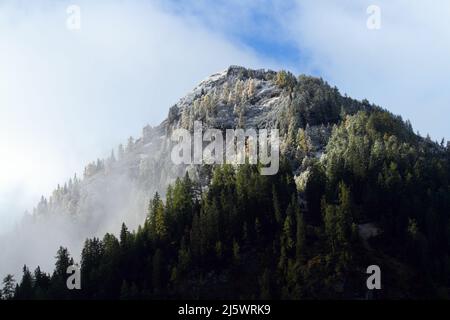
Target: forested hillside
pixel 356 187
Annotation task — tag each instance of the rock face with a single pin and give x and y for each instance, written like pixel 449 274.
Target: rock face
pixel 113 190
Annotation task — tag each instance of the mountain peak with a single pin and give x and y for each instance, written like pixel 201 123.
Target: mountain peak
pixel 239 71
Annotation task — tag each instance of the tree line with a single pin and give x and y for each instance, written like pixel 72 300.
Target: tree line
pixel 245 235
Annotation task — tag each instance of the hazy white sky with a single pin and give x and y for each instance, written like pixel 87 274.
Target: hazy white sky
pixel 68 97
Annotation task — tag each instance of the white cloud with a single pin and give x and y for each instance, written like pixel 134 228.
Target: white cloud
pixel 403 67
pixel 66 97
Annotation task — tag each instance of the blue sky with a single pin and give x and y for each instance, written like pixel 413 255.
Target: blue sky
pixel 255 24
pixel 402 66
pixel 68 97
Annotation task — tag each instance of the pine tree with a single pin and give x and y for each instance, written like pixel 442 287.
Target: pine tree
pixel 196 237
pixel 288 228
pixel 9 285
pixel 157 218
pixel 184 258
pixel 158 271
pixel 338 220
pixel 276 206
pixel 160 222
pixel 171 217
pixel 25 291
pixel 304 142
pixel 124 236
pixel 211 214
pixel 58 288
pixel 41 284
pixel 63 261
pixel 300 237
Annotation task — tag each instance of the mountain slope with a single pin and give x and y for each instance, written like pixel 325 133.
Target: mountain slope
pixel 362 178
pixel 237 97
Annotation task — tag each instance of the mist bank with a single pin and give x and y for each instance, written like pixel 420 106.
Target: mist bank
pixel 112 191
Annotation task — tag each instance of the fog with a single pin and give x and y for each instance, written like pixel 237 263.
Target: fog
pixel 68 97
pixel 100 209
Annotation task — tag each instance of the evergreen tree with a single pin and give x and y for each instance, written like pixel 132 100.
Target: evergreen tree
pixel 25 290
pixel 58 287
pixel 300 237
pixel 9 285
pixel 41 284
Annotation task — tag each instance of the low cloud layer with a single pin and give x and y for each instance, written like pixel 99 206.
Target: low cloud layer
pixel 67 97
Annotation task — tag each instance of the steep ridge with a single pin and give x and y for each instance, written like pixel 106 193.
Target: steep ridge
pixel 117 189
